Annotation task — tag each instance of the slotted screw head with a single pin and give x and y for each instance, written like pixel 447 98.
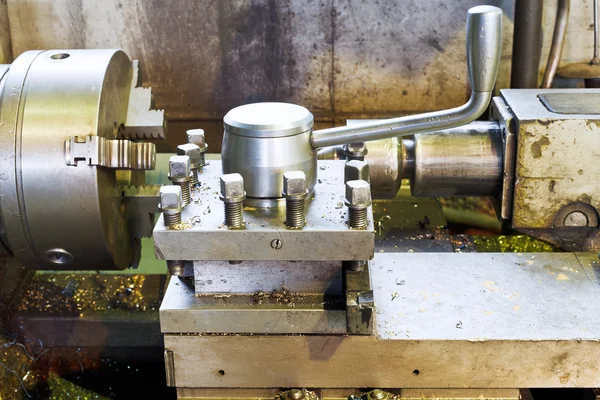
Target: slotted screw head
pixel 232 187
pixel 179 167
pixel 358 194
pixel 294 183
pixel 170 198
pixel 192 151
pixel 196 136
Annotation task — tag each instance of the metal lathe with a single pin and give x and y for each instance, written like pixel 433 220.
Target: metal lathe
pixel 280 286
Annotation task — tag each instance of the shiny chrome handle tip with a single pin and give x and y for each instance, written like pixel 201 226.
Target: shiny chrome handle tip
pixel 484 44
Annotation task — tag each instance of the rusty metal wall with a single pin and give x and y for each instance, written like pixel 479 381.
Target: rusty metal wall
pixel 340 58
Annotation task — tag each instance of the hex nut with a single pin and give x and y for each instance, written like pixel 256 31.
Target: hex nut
pixel 192 151
pixel 232 187
pixel 196 136
pixel 356 149
pixel 179 167
pixel 358 194
pixel 294 183
pixel 356 170
pixel 170 198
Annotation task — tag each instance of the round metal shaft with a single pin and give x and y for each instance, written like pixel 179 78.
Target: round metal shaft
pixel 465 161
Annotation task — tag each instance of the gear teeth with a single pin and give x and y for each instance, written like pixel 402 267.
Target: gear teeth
pixel 143 133
pixel 140 190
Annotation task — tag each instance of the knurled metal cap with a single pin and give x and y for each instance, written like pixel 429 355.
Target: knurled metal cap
pixel 268 120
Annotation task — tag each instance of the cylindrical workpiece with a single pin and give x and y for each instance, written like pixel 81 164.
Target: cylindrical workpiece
pixel 458 162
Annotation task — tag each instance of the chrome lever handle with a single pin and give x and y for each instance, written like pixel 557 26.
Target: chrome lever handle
pixel 484 43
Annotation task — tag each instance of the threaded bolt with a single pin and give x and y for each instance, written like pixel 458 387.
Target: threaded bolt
pixel 295 191
pixel 196 136
pixel 234 216
pixel 356 170
pixel 172 220
pixel 193 152
pixel 233 196
pixel 171 205
pixel 175 267
pixel 358 200
pixel 180 174
pixel 357 218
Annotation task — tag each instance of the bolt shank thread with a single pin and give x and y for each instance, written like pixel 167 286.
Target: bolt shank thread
pixel 234 217
pixel 186 195
pixel 357 218
pixel 175 267
pixel 295 212
pixel 202 160
pixel 172 219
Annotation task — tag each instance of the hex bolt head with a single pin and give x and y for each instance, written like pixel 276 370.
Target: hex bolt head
pixel 179 168
pixel 232 187
pixel 356 170
pixel 358 194
pixel 294 183
pixel 192 151
pixel 170 198
pixel 196 136
pixel 356 151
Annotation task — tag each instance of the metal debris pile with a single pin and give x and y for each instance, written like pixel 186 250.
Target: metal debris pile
pixel 77 293
pixel 278 295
